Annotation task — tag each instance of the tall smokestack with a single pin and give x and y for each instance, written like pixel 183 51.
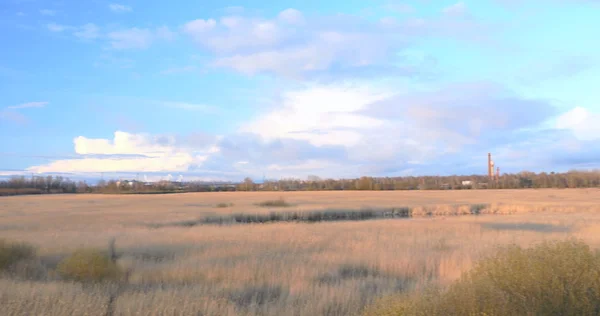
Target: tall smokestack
pixel 498 173
pixel 490 166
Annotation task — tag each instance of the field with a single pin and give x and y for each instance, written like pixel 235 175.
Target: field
pixel 280 268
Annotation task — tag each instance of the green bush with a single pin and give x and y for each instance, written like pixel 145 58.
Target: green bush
pixel 11 253
pixel 552 278
pixel 224 205
pixel 89 265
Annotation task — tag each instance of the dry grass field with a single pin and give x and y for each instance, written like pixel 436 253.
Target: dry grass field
pixel 325 268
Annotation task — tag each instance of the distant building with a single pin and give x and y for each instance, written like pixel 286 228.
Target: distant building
pixel 467 183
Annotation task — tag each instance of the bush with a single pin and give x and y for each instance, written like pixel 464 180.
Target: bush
pixel 224 205
pixel 553 278
pixel 275 203
pixel 30 269
pixel 11 253
pixel 89 265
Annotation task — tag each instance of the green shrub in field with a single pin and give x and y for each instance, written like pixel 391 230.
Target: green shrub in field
pixel 224 205
pixel 89 265
pixel 553 278
pixel 11 253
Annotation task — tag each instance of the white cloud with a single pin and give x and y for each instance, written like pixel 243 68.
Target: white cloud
pixel 119 8
pixel 320 115
pixel 310 165
pixel 457 9
pixel 48 12
pixel 28 105
pixel 291 16
pixel 127 153
pixel 133 38
pixel 88 31
pixel 171 163
pixel 583 124
pixel 199 26
pixel 355 129
pixel 53 27
pixel 327 49
pixel 294 45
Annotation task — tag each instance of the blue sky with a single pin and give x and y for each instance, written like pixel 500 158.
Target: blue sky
pixel 224 90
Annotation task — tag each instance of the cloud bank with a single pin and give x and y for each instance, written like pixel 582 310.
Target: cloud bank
pixel 342 130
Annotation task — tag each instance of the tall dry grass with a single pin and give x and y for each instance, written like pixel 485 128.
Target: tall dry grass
pixel 328 268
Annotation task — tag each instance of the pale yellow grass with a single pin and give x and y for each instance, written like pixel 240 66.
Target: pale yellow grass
pixel 333 268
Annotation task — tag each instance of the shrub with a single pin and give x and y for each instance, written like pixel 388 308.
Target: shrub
pixel 275 203
pixel 88 265
pixel 224 205
pixel 30 269
pixel 552 278
pixel 11 253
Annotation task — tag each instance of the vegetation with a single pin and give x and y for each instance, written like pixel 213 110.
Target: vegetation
pixel 224 205
pixel 89 265
pixel 12 253
pixel 572 179
pixel 553 278
pixel 334 268
pixel 275 203
pixel 335 215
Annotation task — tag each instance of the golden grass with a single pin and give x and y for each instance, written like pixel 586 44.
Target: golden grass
pixel 333 268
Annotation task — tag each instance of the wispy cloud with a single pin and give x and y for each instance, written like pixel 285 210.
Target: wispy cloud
pixel 178 70
pixel 191 107
pixel 133 38
pixel 457 9
pixel 292 44
pixel 136 38
pixel 87 32
pixel 53 27
pixel 13 116
pixel 28 105
pixel 48 12
pixel 11 113
pixel 119 8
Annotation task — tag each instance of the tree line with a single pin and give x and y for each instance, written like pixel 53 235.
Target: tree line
pixel 55 184
pixel 521 180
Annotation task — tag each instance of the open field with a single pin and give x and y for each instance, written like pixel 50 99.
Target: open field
pixel 328 268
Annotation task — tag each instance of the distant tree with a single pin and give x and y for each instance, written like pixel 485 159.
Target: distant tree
pixel 247 185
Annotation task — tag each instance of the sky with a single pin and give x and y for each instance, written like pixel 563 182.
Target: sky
pixel 221 90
